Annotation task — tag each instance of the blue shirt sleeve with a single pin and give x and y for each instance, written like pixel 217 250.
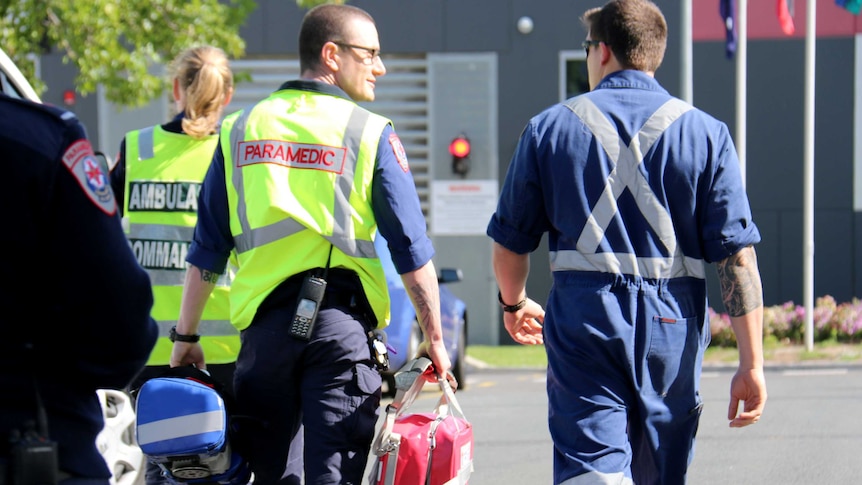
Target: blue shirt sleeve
pixel 727 223
pixel 521 219
pixel 111 290
pixel 396 207
pixel 212 241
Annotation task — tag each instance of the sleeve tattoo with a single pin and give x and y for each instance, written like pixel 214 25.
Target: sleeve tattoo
pixel 739 277
pixel 208 276
pixel 424 305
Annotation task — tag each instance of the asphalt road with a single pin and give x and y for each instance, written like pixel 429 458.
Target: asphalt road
pixel 811 431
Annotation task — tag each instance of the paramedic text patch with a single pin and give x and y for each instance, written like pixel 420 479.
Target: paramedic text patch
pixel 294 155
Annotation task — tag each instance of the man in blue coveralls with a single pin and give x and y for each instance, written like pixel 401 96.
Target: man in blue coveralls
pixel 637 190
pixel 298 187
pixel 91 328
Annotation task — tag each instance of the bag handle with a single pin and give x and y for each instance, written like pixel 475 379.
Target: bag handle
pixel 448 400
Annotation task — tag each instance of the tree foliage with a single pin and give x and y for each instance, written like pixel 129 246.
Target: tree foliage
pixel 118 44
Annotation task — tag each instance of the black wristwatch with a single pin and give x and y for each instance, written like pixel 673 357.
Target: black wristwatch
pixel 176 337
pixel 511 308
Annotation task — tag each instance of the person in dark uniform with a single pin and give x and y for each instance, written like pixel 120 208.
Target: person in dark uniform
pixel 66 250
pixel 297 190
pixel 637 192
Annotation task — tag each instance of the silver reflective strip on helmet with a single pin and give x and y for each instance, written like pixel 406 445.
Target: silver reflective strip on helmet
pixel 626 175
pixel 254 238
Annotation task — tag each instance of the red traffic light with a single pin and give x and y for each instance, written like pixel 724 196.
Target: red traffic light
pixel 460 147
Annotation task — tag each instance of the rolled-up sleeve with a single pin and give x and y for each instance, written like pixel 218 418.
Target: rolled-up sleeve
pixel 520 219
pixel 212 241
pixel 397 209
pixel 727 224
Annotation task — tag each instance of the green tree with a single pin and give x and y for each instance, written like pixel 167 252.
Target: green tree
pixel 118 43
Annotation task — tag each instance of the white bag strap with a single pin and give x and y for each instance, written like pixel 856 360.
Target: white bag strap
pixel 445 407
pixel 408 385
pixel 448 400
pixel 409 381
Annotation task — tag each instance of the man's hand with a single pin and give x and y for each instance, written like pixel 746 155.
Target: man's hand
pixel 748 386
pixel 525 325
pixel 440 358
pixel 187 353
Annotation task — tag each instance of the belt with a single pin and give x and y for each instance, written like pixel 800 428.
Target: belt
pixel 339 298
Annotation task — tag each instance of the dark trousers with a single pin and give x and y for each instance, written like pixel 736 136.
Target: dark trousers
pixel 327 386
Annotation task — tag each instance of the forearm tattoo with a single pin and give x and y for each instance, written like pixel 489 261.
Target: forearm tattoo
pixel 208 276
pixel 424 305
pixel 741 289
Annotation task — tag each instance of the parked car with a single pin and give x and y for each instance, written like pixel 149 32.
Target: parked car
pixel 403 334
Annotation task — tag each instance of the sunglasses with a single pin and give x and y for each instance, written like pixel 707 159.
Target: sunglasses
pixel 587 43
pixel 374 54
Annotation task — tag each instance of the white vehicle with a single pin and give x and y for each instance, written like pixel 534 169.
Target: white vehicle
pixel 116 442
pixel 13 82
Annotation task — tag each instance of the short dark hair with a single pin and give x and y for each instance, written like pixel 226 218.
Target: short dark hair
pixel 322 24
pixel 634 30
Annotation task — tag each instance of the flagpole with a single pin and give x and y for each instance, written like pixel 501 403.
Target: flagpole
pixel 686 58
pixel 741 87
pixel 808 178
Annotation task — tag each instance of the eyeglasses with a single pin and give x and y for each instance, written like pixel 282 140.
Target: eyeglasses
pixel 374 53
pixel 587 43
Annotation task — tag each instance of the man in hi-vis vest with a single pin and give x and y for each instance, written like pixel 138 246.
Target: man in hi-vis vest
pixel 298 188
pixel 637 191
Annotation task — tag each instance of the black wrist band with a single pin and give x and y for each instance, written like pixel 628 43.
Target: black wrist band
pixel 511 308
pixel 176 337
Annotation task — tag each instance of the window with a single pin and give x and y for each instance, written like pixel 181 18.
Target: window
pixel 573 74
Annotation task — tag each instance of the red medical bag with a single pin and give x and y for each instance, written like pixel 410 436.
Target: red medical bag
pixel 423 448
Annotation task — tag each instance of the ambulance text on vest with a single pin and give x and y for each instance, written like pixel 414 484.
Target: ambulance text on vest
pixel 164 196
pixel 160 254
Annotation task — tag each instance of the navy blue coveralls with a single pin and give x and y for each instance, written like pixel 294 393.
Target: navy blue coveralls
pixel 64 248
pixel 636 190
pixel 281 382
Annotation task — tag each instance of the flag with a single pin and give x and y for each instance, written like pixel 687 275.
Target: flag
pixel 784 9
pixel 852 6
pixel 727 10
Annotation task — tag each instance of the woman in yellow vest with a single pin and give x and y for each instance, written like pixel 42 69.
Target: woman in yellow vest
pixel 158 176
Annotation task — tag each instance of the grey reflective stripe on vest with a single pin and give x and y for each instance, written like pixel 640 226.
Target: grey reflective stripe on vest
pixel 254 238
pixel 625 174
pixel 207 328
pixel 145 143
pixel 163 232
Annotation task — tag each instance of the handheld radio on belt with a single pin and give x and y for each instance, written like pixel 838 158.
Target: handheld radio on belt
pixel 33 456
pixel 308 303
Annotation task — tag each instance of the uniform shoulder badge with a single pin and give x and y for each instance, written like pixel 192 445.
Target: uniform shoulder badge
pixel 400 154
pixel 81 162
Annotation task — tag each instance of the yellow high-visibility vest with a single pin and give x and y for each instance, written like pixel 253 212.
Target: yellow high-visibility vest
pixel 164 172
pixel 297 186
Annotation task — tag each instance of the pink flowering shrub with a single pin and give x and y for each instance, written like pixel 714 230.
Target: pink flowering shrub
pixel 786 323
